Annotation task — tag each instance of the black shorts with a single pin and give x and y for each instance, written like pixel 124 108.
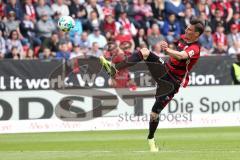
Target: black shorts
pixel 167 83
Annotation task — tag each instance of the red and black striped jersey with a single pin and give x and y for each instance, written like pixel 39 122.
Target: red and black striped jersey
pixel 181 68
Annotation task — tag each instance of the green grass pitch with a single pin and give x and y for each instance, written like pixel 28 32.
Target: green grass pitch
pixel 176 144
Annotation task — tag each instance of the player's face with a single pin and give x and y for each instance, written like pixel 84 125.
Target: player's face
pixel 190 33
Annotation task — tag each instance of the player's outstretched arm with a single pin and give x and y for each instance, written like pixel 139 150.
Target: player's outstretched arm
pixel 173 53
pixel 176 54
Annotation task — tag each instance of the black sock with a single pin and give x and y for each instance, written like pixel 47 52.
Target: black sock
pixel 153 124
pixel 130 61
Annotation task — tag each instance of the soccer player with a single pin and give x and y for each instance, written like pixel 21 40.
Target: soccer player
pixel 175 70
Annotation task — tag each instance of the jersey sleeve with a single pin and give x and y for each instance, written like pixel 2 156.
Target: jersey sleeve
pixel 193 51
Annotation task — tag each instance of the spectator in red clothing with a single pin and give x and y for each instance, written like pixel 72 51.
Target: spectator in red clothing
pixel 225 8
pixel 220 37
pixel 127 25
pixel 235 20
pixel 143 13
pixel 107 8
pixel 123 36
pixel 29 10
pixel 109 24
pixel 2 5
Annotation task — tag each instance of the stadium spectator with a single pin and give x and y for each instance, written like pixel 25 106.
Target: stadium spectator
pixel 140 38
pixel 12 23
pixel 175 7
pixel 143 14
pixel 77 53
pixel 93 6
pixel 64 38
pixel 171 29
pixel 29 32
pixel 216 20
pixel 235 20
pixel 109 24
pixel 75 33
pixel 53 43
pixel 184 22
pixel 96 36
pixel 235 6
pixel 14 42
pixel 235 48
pixel 189 6
pixel 224 7
pixel 94 21
pixel 206 41
pixel 42 7
pixel 205 19
pixel 110 36
pixel 84 43
pixel 29 9
pixel 108 8
pixel 203 6
pixel 3 49
pixel 46 54
pixel 14 54
pixel 79 11
pixel 30 54
pixel 3 27
pixel 45 27
pixel 95 51
pixel 123 36
pixel 2 6
pixel 157 50
pixel 127 25
pixel 63 52
pixel 158 10
pixel 15 6
pixel 124 7
pixel 220 37
pixel 154 36
pixel 60 8
pixel 220 49
pixel 234 36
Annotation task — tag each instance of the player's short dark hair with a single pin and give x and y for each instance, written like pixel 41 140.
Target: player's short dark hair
pixel 199 25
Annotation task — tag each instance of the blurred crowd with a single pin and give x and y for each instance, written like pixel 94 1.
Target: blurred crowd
pixel 28 28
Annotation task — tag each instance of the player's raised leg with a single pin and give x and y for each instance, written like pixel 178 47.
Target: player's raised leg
pixel 136 57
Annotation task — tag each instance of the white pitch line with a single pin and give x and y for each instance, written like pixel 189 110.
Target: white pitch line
pixel 137 151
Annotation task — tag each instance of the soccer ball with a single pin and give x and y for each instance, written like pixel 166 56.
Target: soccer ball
pixel 66 23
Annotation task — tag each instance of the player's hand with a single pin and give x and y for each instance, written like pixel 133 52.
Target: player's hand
pixel 163 45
